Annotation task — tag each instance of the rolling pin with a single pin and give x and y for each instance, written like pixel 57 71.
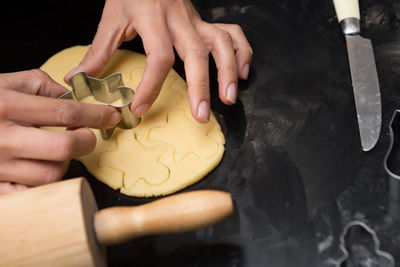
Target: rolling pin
pixel 59 224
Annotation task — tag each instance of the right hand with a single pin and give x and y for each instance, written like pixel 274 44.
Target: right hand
pixel 30 156
pixel 164 25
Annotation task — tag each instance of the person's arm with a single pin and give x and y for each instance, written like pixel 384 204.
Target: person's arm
pixel 164 25
pixel 30 156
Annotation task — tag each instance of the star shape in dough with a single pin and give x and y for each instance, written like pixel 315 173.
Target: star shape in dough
pixel 125 158
pixel 186 136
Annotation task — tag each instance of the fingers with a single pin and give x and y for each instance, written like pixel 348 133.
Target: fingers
pixel 224 56
pixel 160 24
pixel 32 172
pixel 194 53
pixel 37 156
pixel 196 69
pixel 159 60
pixel 108 38
pixel 33 156
pixel 34 143
pixel 44 111
pixel 244 52
pixel 7 187
pixel 35 82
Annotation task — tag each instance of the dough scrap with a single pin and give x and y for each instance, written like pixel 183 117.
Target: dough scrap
pixel 168 151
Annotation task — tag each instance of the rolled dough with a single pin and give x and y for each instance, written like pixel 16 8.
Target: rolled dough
pixel 168 151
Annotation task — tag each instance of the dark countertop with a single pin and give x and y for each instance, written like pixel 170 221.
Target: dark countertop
pixel 293 161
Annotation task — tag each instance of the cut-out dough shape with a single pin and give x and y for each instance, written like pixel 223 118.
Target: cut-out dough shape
pixel 147 167
pixel 177 131
pixel 168 151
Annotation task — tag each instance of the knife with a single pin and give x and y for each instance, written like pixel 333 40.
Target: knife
pixel 363 73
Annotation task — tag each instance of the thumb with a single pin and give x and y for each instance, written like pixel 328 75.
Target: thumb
pixel 108 38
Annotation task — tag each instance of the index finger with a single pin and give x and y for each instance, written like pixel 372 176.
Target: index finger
pixel 35 82
pixel 45 111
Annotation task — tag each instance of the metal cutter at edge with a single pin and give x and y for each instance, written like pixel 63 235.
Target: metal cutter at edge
pixel 108 91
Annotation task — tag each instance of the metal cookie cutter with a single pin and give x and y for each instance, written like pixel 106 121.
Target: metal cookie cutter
pixel 107 90
pixel 391 164
pixel 358 250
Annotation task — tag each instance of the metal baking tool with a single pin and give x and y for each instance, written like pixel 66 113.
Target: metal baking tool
pixel 108 91
pixel 363 73
pixel 391 163
pixel 360 246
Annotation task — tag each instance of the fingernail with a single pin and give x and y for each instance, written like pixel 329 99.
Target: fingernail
pixel 140 110
pixel 231 93
pixel 115 118
pixel 245 71
pixel 203 111
pixel 69 74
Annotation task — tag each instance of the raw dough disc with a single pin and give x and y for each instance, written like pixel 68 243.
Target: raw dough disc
pixel 168 151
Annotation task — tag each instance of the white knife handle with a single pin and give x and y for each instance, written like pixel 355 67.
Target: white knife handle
pixel 346 9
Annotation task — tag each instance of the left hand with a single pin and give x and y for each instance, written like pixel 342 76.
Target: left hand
pixel 162 25
pixel 31 156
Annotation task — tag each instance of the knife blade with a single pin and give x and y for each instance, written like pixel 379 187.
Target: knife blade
pixel 363 73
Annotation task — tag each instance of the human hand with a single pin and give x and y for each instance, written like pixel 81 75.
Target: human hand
pixel 162 25
pixel 30 156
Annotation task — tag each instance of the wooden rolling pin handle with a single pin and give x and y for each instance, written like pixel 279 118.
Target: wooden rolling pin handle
pixel 178 213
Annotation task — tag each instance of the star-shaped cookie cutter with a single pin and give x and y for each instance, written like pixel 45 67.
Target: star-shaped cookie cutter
pixel 107 90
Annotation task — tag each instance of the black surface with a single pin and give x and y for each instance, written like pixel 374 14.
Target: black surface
pixel 293 161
